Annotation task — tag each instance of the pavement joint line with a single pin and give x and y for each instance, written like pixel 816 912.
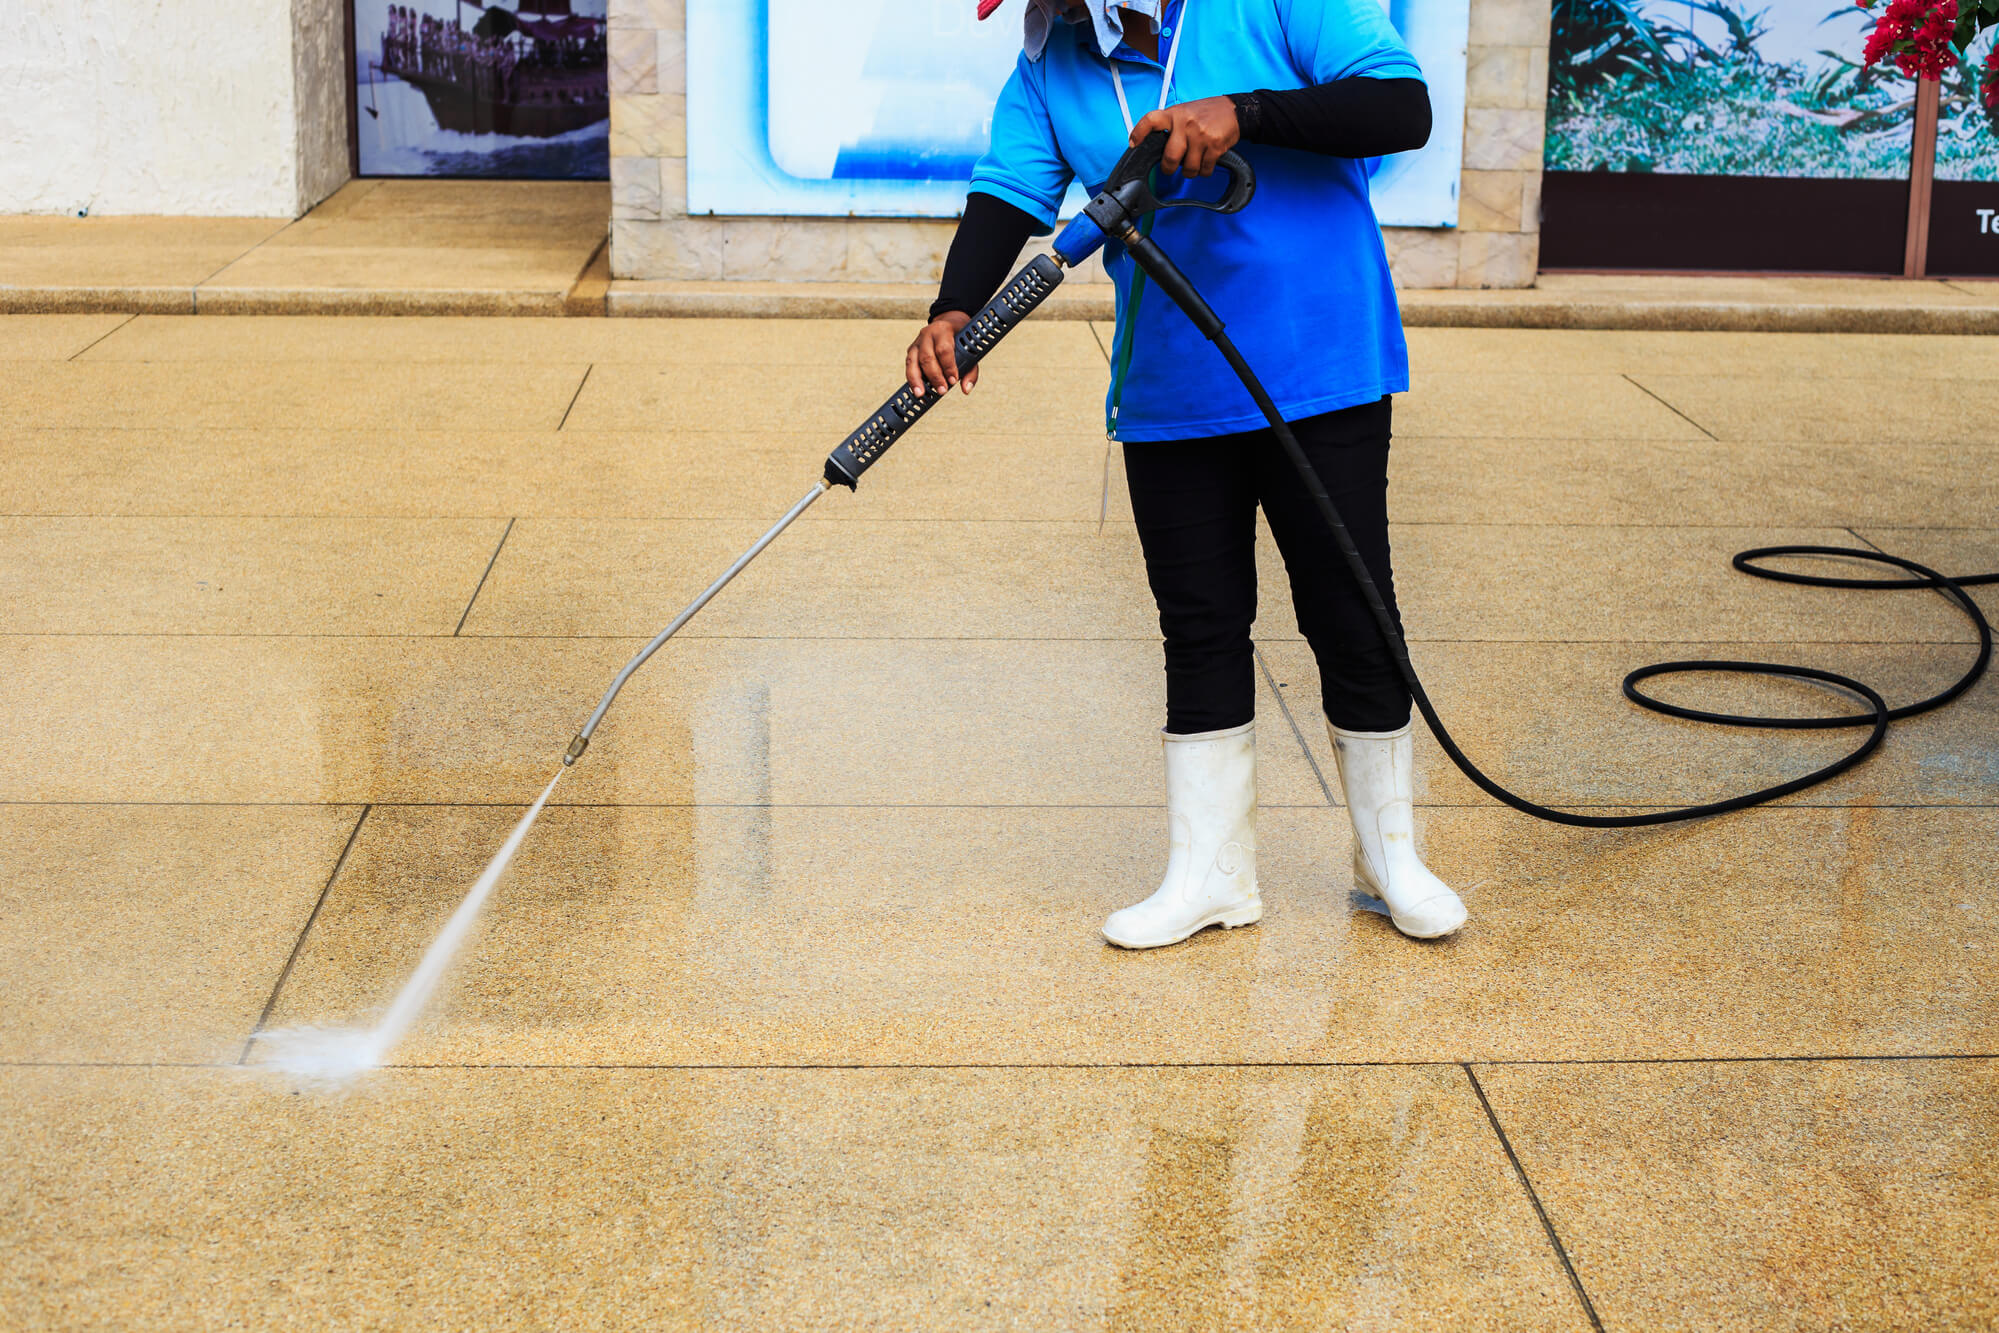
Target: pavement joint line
pixel 101 337
pixel 118 1064
pixel 1099 338
pixel 747 519
pixel 574 396
pixel 1626 377
pixel 824 518
pixel 1926 527
pixel 1104 506
pixel 484 574
pixel 1283 706
pixel 1809 1058
pixel 194 292
pixel 1439 1063
pixel 1767 808
pixel 1534 1197
pixel 1069 435
pixel 1107 1066
pixel 354 362
pixel 1104 511
pixel 298 945
pixel 1004 1066
pixel 639 637
pixel 1855 534
pixel 577 281
pixel 1057 436
pixel 368 426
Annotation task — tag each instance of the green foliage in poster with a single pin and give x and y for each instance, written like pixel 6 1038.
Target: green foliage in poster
pixel 1630 90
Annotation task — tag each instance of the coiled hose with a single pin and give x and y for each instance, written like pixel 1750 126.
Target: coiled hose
pixel 1167 276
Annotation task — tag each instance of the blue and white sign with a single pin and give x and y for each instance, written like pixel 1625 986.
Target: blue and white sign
pixel 880 108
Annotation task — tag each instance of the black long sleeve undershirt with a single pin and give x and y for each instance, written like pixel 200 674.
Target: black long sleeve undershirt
pixel 989 239
pixel 1345 118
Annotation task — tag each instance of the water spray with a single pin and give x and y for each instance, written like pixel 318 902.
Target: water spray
pixel 1112 216
pixel 341 1053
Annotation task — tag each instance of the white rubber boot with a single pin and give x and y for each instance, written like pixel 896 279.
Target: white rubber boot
pixel 1378 775
pixel 1211 862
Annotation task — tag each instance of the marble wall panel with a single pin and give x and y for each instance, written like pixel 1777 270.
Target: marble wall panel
pixel 635 191
pixel 633 57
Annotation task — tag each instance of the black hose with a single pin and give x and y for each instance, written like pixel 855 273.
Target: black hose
pixel 1150 257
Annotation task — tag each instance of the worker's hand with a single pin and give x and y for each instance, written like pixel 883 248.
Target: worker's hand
pixel 1198 133
pixel 933 357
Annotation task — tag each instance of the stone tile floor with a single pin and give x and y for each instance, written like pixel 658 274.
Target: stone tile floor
pixel 375 247
pixel 792 1013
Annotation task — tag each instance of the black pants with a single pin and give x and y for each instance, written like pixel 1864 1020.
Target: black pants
pixel 1195 502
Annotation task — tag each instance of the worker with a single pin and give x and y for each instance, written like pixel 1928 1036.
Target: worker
pixel 1310 92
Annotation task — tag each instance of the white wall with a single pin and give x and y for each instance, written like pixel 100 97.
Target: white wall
pixel 195 107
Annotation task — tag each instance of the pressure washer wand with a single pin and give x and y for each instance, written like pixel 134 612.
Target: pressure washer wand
pixel 857 453
pixel 582 741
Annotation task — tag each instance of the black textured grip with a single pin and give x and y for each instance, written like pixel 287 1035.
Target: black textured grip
pixel 1015 302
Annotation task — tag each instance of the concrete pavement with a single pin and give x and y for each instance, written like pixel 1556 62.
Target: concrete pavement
pixel 792 1012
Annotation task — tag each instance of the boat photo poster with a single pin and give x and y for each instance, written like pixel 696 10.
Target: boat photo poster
pixel 490 91
pixel 881 107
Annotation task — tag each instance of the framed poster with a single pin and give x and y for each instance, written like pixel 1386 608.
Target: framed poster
pixel 1722 134
pixel 458 88
pixel 880 109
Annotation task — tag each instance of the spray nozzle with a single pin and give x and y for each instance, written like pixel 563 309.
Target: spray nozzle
pixel 575 750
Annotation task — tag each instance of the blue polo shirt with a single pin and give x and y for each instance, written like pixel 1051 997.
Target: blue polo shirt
pixel 1299 276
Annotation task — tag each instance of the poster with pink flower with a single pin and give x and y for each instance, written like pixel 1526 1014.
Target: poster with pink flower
pixel 1710 88
pixel 1726 135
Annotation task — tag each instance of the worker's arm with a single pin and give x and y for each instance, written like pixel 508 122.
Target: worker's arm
pixel 1015 192
pixel 1356 117
pixel 1364 117
pixel 990 237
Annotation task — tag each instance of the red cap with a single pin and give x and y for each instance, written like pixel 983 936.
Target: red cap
pixel 986 7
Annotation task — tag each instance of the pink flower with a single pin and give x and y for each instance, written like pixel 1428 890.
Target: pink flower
pixel 1917 33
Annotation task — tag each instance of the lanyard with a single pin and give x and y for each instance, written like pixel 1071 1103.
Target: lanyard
pixel 1166 79
pixel 1121 363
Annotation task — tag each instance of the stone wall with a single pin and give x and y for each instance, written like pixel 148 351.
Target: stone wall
pixel 1496 242
pixel 319 98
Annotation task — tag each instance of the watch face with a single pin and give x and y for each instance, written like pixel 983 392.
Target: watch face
pixel 883 90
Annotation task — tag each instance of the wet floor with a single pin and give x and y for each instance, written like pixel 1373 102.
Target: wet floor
pixel 791 1012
